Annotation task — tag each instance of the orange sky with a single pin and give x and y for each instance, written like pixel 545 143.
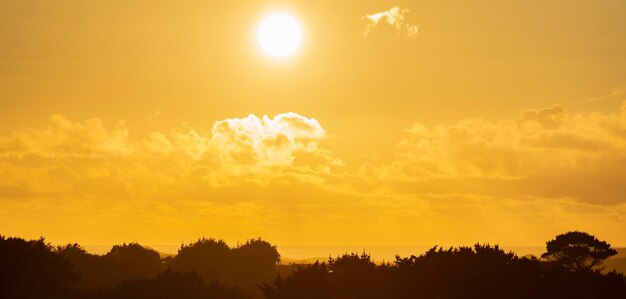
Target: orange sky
pixel 447 122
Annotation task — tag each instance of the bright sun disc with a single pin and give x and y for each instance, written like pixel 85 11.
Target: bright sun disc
pixel 279 35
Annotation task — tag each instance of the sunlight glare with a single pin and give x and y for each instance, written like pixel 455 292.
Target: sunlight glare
pixel 279 35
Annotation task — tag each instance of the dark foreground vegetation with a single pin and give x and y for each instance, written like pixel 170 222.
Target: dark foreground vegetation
pixel 209 268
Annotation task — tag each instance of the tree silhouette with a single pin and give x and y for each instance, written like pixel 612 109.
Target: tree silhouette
pixel 122 263
pixel 208 257
pixel 208 269
pixel 481 271
pixel 89 266
pixel 310 282
pixel 356 276
pixel 253 263
pixel 132 261
pixel 169 285
pixel 257 256
pixel 577 251
pixel 32 269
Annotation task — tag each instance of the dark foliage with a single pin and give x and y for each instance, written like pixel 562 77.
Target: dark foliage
pixel 169 285
pixel 577 251
pixel 482 271
pixel 210 269
pixel 32 269
pixel 123 263
pixel 208 257
pixel 310 282
pixel 253 263
pixel 247 265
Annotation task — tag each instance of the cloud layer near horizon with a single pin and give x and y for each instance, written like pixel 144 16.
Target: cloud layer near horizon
pixel 269 172
pixel 547 153
pixel 68 156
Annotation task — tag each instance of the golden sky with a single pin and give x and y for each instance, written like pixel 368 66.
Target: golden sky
pixel 395 123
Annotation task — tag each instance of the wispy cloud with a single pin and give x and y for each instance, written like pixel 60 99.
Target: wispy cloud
pixel 395 17
pixel 614 93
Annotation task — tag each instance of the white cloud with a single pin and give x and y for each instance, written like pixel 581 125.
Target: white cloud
pixel 394 17
pixel 266 141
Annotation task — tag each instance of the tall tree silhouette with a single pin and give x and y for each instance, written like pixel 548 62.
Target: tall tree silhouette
pixel 577 251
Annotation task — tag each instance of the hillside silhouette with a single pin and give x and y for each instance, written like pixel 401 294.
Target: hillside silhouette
pixel 572 267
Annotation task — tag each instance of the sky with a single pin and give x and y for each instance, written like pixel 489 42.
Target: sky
pixel 395 122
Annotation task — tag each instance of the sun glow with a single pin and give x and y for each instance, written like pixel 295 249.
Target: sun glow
pixel 279 35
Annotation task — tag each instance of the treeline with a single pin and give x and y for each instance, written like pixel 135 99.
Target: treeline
pixel 209 268
pixel 481 271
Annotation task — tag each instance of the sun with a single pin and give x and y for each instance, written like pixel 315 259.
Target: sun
pixel 279 35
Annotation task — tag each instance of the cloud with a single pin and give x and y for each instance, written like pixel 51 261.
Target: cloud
pixel 394 17
pixel 88 158
pixel 266 141
pixel 251 140
pixel 546 171
pixel 65 138
pixel 544 153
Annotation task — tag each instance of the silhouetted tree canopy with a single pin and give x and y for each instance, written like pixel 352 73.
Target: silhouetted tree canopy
pixel 209 268
pixel 253 263
pixel 207 257
pixel 308 282
pixel 133 261
pixel 168 285
pixel 481 271
pixel 352 275
pixel 577 251
pixel 32 269
pixel 256 255
pixel 122 263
